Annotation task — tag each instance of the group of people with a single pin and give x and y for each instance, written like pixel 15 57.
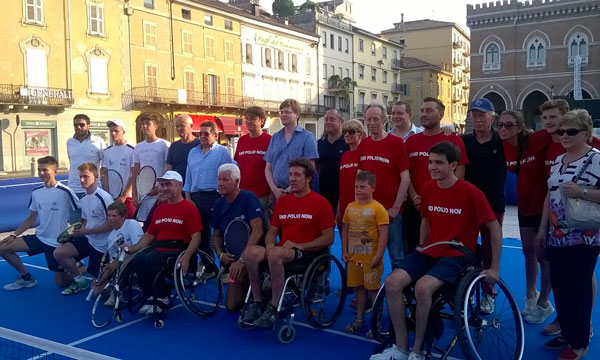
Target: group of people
pixel 412 186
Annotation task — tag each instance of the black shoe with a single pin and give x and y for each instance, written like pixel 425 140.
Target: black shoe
pixel 268 319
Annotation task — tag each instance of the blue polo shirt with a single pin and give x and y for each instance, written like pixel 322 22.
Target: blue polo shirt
pixel 203 169
pixel 279 153
pixel 178 155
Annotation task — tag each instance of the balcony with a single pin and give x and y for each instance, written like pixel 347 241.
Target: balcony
pixel 397 88
pixel 466 53
pixel 536 64
pixel 455 45
pixel 491 68
pixel 456 82
pixel 396 64
pixel 456 64
pixel 161 96
pixel 35 96
pixel 335 84
pixel 466 69
pixel 465 86
pixel 584 60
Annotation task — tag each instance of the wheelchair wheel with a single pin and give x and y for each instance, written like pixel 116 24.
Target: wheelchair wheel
pixel 487 332
pixel 102 314
pixel 380 318
pixel 200 289
pixel 323 292
pixel 286 333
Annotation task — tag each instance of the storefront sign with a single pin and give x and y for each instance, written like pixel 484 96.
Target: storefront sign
pixel 276 42
pixel 39 124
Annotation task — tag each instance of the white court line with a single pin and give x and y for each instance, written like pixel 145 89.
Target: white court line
pixel 21 256
pixel 26 184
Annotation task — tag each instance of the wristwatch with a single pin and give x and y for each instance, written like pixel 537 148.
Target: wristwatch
pixel 584 193
pixel 241 259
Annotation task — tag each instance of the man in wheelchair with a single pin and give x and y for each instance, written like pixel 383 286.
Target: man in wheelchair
pixel 451 208
pixel 304 222
pixel 175 226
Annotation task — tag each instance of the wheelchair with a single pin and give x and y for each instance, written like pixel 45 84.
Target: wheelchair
pixel 319 290
pixel 482 334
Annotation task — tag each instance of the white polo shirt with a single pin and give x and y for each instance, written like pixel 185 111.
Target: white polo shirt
pixel 131 232
pixel 88 150
pixel 152 154
pixel 52 205
pixel 93 210
pixel 119 158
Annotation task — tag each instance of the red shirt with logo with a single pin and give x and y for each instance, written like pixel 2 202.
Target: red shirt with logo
pixel 555 149
pixel 249 155
pixel 417 147
pixel 348 170
pixel 386 159
pixel 175 222
pixel 301 219
pixel 453 213
pixel 531 183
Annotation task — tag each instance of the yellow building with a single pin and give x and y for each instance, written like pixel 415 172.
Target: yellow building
pixel 185 58
pixel 61 58
pixel 442 44
pixel 421 79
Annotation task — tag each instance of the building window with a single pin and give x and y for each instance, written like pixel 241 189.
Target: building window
pixel 536 54
pixel 325 71
pixel 324 39
pixel 186 14
pixel 228 50
pixel 37 67
pixel 384 77
pixel 578 45
pixel 331 39
pixel 149 4
pixel 329 101
pixel 208 19
pixel 340 70
pixel 348 73
pixel 268 62
pixel 332 70
pixel 308 95
pixel 343 104
pixel 294 63
pixel 248 53
pixel 373 97
pixel 228 24
pixel 395 54
pixel 361 71
pixel 209 47
pixel 230 90
pixel 339 43
pixel 152 79
pixel 361 45
pixel 34 11
pixel 280 60
pixel 96 20
pixel 346 50
pixel 190 81
pixel 187 45
pixel 98 76
pixel 149 34
pixel 373 74
pixel 384 52
pixel 491 60
pixel 307 65
pixel 385 100
pixel 373 49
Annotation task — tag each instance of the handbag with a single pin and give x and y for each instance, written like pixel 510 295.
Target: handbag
pixel 579 213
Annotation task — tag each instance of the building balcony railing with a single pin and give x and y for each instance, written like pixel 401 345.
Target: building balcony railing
pixel 36 96
pixel 491 68
pixel 456 64
pixel 466 53
pixel 584 60
pixel 396 64
pixel 335 85
pixel 456 82
pixel 465 86
pixel 537 64
pixel 455 45
pixel 466 69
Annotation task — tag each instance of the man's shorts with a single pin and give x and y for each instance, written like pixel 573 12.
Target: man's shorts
pixel 363 275
pixel 446 269
pixel 36 246
pixel 85 249
pixel 532 221
pixel 303 258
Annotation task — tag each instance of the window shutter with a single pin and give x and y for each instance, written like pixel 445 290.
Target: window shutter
pixel 98 76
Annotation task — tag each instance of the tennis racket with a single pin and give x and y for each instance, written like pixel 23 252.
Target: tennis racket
pixel 106 259
pixel 236 237
pixel 67 234
pixel 145 182
pixel 112 183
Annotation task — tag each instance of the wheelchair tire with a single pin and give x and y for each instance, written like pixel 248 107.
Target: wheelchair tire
pixel 323 294
pixel 101 314
pixel 286 333
pixel 381 324
pixel 201 291
pixel 480 332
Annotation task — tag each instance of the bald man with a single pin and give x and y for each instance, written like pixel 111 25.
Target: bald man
pixel 179 150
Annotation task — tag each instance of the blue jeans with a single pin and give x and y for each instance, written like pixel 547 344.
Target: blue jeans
pixel 395 243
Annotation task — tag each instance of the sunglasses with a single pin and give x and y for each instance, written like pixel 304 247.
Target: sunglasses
pixel 570 132
pixel 505 125
pixel 80 125
pixel 349 132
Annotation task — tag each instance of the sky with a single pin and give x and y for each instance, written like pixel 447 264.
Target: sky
pixel 378 15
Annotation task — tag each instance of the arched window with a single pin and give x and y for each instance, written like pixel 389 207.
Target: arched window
pixel 536 54
pixel 578 45
pixel 491 60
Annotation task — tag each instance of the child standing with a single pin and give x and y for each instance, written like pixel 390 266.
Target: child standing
pixel 364 239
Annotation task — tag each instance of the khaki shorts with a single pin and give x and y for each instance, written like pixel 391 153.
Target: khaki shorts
pixel 362 275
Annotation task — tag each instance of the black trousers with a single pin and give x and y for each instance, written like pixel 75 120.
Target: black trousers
pixel 148 265
pixel 411 228
pixel 571 270
pixel 205 201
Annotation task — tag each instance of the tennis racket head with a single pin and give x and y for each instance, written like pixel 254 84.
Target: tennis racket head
pixel 67 234
pixel 236 237
pixel 145 180
pixel 112 183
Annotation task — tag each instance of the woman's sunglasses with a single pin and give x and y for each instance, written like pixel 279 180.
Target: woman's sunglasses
pixel 570 132
pixel 505 125
pixel 349 132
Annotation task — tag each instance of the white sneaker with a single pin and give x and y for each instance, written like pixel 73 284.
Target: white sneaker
pixel 159 306
pixel 487 304
pixel 415 356
pixel 110 302
pixel 529 304
pixel 391 353
pixel 539 314
pixel 147 306
pixel 21 283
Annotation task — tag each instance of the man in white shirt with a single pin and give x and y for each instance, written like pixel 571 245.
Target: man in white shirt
pixel 91 239
pixel 50 204
pixel 403 126
pixel 119 157
pixel 152 152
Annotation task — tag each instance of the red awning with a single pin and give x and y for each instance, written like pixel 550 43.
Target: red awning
pixel 229 127
pixel 199 119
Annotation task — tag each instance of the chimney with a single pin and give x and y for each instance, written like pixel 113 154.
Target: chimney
pixel 402 22
pixel 255 9
pixel 286 21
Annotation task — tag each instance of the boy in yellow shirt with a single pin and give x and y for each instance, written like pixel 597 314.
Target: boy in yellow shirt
pixel 364 239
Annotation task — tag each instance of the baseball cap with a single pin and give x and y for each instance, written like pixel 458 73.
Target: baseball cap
pixel 482 104
pixel 171 175
pixel 117 122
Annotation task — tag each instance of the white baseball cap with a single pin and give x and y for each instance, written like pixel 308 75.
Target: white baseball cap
pixel 117 122
pixel 171 175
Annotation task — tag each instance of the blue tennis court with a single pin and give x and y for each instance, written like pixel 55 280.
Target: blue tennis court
pixel 44 313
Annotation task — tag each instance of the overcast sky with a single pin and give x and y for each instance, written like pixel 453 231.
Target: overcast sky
pixel 378 15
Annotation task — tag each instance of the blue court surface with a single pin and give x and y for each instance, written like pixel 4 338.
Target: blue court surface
pixel 44 313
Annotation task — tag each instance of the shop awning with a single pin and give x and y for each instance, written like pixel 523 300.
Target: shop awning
pixel 199 119
pixel 229 127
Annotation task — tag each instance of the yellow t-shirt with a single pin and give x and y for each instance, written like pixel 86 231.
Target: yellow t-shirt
pixel 363 234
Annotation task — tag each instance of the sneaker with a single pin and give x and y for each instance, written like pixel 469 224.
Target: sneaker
pixel 415 356
pixel 487 304
pixel 529 304
pixel 355 326
pixel 253 311
pixel 539 314
pixel 110 302
pixel 75 287
pixel 147 306
pixel 161 305
pixel 268 318
pixel 392 352
pixel 558 343
pixel 572 354
pixel 21 283
pixel 552 329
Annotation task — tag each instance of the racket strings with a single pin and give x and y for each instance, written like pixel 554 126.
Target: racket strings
pixel 236 237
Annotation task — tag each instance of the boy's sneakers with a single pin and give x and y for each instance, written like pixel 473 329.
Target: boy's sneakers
pixel 487 304
pixel 268 318
pixel 21 283
pixel 253 311
pixel 111 301
pixel 539 314
pixel 355 326
pixel 552 329
pixel 391 353
pixel 529 304
pixel 415 356
pixel 75 287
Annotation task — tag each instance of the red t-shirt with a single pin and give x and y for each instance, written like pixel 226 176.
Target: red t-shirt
pixel 348 170
pixel 301 219
pixel 417 148
pixel 249 155
pixel 175 222
pixel 531 183
pixel 454 213
pixel 555 149
pixel 386 159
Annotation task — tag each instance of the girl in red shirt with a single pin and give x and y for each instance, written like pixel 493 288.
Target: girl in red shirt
pixel 353 132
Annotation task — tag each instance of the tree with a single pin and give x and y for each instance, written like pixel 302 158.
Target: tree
pixel 283 8
pixel 307 6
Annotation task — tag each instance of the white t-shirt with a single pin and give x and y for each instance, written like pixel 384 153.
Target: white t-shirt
pixel 152 154
pixel 79 152
pixel 52 205
pixel 93 210
pixel 119 158
pixel 131 232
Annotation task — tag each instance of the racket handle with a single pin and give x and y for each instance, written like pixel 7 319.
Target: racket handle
pixel 90 295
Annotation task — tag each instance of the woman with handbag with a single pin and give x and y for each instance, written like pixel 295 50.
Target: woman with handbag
pixel 569 230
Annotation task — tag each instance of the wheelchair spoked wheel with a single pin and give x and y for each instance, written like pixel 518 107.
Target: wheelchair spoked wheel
pixel 323 292
pixel 200 289
pixel 101 313
pixel 487 332
pixel 381 324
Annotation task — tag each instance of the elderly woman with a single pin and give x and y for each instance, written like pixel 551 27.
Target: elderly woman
pixel 572 252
